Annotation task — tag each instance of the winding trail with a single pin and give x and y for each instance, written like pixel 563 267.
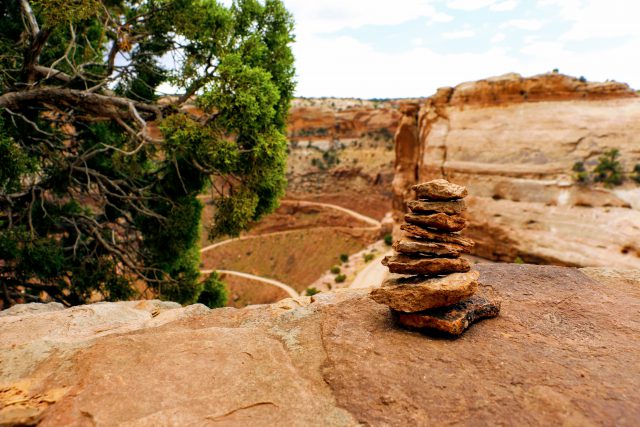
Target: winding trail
pixel 373 275
pixel 374 224
pixel 288 289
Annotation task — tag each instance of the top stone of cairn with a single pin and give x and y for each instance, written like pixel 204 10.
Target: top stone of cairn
pixel 440 189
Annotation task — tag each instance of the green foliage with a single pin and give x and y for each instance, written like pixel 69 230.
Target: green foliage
pixel 214 293
pixel 636 173
pixel 329 159
pixel 92 201
pixel 335 270
pixel 388 239
pixel 580 173
pixel 609 170
pixel 368 257
pixel 518 260
pixel 344 258
pixel 341 278
pixel 311 292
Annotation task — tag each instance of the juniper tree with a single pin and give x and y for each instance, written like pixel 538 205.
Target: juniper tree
pixel 96 199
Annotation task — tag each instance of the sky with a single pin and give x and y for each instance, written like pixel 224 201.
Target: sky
pixel 409 48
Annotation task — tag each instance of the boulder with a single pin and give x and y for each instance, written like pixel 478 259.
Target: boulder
pixel 413 294
pixel 562 352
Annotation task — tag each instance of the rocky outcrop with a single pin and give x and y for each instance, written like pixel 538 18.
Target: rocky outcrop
pixel 512 142
pixel 562 352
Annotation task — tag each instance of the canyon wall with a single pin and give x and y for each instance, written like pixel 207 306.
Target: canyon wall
pixel 513 142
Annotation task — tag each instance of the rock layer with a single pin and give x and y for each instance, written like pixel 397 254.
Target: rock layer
pixel 440 221
pixel 410 246
pixel 562 354
pixel 450 208
pixel 435 236
pixel 414 294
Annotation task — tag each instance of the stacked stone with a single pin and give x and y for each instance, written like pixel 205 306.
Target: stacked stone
pixel 433 287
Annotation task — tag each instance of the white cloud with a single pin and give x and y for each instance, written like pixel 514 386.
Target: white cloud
pixel 504 6
pixel 498 38
pixel 463 34
pixel 523 24
pixel 470 4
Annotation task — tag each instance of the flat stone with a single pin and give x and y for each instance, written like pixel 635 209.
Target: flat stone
pixel 453 320
pixel 417 293
pixel 439 221
pixel 422 233
pixel 412 246
pixel 450 208
pixel 440 189
pixel 402 264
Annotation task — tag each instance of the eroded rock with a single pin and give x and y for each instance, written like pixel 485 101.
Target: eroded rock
pixel 438 221
pixel 440 189
pixel 422 233
pixel 454 319
pixel 411 246
pixel 450 208
pixel 413 294
pixel 402 264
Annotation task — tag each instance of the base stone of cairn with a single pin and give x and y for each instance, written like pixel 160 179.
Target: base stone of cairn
pixel 442 292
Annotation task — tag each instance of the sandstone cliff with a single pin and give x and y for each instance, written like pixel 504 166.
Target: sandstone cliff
pixel 513 142
pixel 562 352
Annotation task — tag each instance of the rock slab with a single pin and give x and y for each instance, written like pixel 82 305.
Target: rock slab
pixel 438 221
pixel 411 246
pixel 414 294
pixel 454 319
pixel 402 264
pixel 564 351
pixel 423 233
pixel 440 189
pixel 450 208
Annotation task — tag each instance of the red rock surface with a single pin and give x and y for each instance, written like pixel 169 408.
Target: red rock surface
pixel 564 351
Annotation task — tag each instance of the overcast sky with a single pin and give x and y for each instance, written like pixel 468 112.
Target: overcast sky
pixel 409 48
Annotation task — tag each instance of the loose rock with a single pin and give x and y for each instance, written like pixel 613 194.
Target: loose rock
pixel 402 264
pixel 440 189
pixel 437 237
pixel 455 319
pixel 438 221
pixel 411 246
pixel 413 294
pixel 450 208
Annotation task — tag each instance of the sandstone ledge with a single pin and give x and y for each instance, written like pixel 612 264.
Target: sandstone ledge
pixel 563 351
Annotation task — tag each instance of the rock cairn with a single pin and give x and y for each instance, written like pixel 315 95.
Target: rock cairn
pixel 432 286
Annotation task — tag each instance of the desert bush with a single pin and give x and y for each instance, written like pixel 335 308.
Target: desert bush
pixel 311 292
pixel 580 173
pixel 368 257
pixel 344 258
pixel 636 173
pixel 388 239
pixel 335 270
pixel 609 170
pixel 214 292
pixel 341 278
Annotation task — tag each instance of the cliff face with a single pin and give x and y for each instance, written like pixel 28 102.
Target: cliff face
pixel 553 357
pixel 513 142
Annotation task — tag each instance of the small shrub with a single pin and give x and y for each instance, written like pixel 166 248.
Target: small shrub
pixel 368 257
pixel 636 173
pixel 609 170
pixel 580 173
pixel 335 270
pixel 518 260
pixel 583 79
pixel 388 239
pixel 340 278
pixel 214 293
pixel 344 258
pixel 311 292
